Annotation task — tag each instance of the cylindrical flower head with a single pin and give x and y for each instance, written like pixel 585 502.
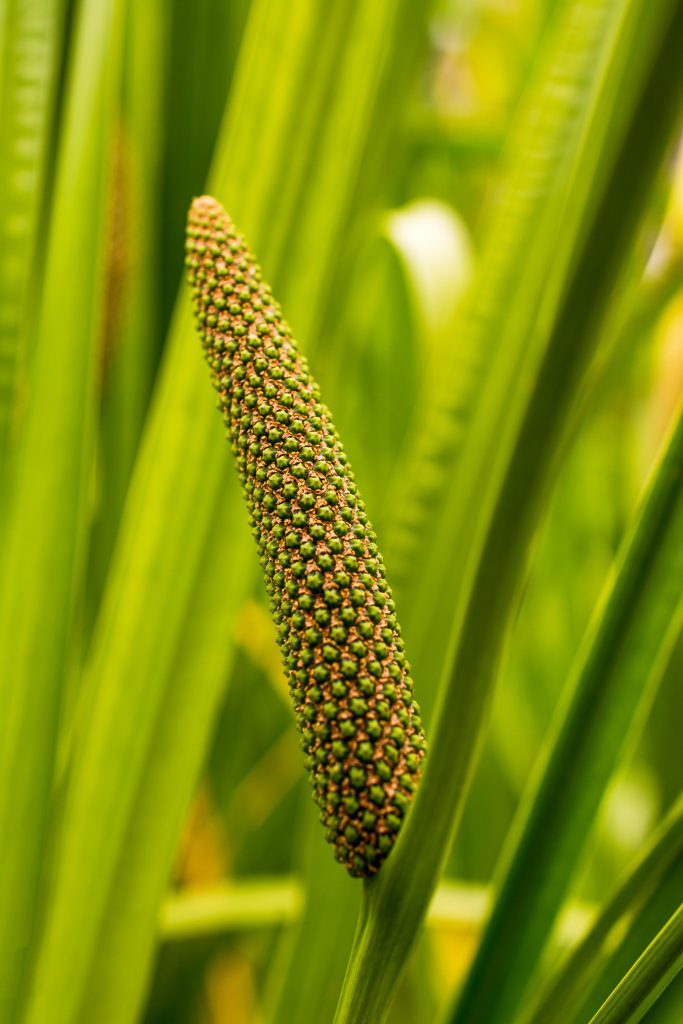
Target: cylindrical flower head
pixel 336 624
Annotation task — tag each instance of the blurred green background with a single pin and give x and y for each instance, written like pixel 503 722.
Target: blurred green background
pixel 360 146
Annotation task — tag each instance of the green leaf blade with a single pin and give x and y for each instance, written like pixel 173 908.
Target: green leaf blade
pixel 45 522
pixel 647 979
pixel 30 41
pixel 556 999
pixel 534 410
pixel 625 655
pixel 133 677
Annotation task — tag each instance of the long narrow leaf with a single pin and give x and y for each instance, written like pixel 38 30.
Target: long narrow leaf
pixel 30 40
pixel 306 979
pixel 121 962
pixel 47 515
pixel 647 979
pixel 556 998
pixel 132 326
pixel 627 943
pixel 518 431
pixel 622 662
pixel 133 669
pixel 492 339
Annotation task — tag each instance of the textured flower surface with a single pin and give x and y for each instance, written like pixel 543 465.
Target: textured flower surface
pixel 335 617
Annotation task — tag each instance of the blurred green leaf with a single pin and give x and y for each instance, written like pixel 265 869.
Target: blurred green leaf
pixel 669 1005
pixel 133 668
pixel 204 39
pixel 305 979
pixel 555 999
pixel 31 35
pixel 504 323
pixel 234 906
pixel 136 648
pixel 402 293
pixel 518 428
pixel 132 323
pixel 435 251
pixel 122 955
pixel 201 911
pixel 46 515
pixel 610 689
pixel 128 668
pixel 626 943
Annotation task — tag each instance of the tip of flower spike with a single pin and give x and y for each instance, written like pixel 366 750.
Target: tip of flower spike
pixel 205 211
pixel 224 277
pixel 206 202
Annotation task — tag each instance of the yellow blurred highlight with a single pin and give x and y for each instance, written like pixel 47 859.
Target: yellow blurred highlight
pixel 674 215
pixel 203 857
pixel 255 634
pixel 231 990
pixel 260 792
pixel 669 381
pixel 452 951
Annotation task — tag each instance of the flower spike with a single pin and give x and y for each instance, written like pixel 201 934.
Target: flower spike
pixel 336 624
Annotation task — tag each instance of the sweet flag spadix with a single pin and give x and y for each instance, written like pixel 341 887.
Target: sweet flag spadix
pixel 334 614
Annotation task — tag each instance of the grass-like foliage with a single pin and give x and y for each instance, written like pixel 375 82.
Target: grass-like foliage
pixel 471 216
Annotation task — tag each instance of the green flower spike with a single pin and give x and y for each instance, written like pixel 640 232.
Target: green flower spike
pixel 336 625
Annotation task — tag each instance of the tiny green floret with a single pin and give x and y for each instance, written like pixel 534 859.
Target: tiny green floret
pixel 336 623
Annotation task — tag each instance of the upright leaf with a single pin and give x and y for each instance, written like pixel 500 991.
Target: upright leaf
pixel 133 321
pixel 31 35
pixel 121 961
pixel 150 599
pixel 47 512
pixel 622 661
pixel 647 979
pixel 516 435
pixel 556 999
pixel 628 943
